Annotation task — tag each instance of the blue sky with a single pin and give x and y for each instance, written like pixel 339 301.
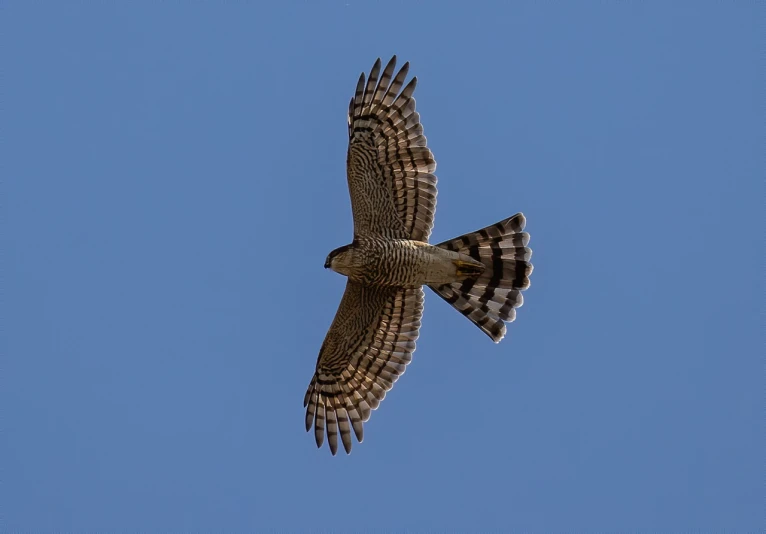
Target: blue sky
pixel 174 176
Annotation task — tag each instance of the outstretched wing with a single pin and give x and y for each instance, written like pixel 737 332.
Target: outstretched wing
pixel 368 347
pixel 390 168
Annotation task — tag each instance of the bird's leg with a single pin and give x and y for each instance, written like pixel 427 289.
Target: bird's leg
pixel 468 269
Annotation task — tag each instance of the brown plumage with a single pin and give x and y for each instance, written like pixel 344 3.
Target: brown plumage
pixel 393 199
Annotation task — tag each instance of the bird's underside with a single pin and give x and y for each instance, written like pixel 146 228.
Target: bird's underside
pixel 403 263
pixel 393 198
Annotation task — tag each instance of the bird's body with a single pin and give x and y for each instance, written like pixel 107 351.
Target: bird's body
pixel 401 263
pixel 393 199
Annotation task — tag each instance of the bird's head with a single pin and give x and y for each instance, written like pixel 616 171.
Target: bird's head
pixel 339 260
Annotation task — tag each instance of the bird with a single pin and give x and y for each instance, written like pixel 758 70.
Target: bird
pixel 392 185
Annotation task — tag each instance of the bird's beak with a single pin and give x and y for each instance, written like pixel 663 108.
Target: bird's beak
pixel 327 264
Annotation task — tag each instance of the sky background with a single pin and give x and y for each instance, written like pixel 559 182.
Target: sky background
pixel 173 176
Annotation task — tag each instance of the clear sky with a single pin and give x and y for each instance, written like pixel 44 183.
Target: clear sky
pixel 173 176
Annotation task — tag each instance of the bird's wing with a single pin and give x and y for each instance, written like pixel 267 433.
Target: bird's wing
pixel 390 168
pixel 367 348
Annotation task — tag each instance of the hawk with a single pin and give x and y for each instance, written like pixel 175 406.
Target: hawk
pixel 393 197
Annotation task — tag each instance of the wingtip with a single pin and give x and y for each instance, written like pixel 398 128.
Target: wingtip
pixel 391 64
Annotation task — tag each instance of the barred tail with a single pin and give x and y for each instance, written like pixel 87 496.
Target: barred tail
pixel 491 299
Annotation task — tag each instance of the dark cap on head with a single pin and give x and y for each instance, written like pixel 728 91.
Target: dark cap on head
pixel 328 261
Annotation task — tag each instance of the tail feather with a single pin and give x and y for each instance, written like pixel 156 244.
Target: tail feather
pixel 490 299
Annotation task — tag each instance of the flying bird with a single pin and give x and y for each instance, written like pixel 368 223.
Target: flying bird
pixel 393 198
